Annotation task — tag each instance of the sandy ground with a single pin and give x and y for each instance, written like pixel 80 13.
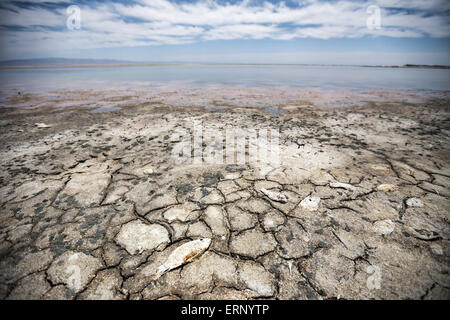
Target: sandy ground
pixel 93 205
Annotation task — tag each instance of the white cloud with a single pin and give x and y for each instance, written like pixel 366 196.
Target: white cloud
pixel 31 17
pixel 154 22
pixel 330 19
pixel 241 31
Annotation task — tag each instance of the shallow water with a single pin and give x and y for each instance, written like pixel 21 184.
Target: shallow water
pixel 105 109
pixel 219 86
pixel 294 76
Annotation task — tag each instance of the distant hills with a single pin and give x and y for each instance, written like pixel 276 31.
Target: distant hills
pixel 61 62
pixel 426 66
pixel 67 62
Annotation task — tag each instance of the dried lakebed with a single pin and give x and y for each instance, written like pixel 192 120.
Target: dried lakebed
pixel 94 207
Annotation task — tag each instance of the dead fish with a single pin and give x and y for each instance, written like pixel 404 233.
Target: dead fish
pixel 342 185
pixel 275 196
pixel 184 254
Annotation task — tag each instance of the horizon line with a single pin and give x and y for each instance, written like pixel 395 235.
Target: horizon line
pixel 155 64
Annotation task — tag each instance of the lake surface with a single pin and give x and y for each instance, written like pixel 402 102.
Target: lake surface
pixel 292 76
pixel 221 86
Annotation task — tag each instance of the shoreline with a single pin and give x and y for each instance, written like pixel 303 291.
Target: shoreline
pixel 96 66
pixel 209 97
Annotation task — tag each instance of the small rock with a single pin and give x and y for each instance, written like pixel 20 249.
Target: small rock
pixel 232 176
pixel 414 202
pixel 380 168
pixel 310 203
pixel 387 187
pixel 342 185
pixel 384 226
pixel 142 171
pixel 147 170
pixel 184 254
pixel 41 125
pixel 436 249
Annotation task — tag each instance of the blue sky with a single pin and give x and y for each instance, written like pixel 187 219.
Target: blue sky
pixel 240 31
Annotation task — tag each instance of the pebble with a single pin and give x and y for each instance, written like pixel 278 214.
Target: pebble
pixel 436 249
pixel 414 202
pixel 384 227
pixel 310 203
pixel 148 171
pixel 380 168
pixel 387 187
pixel 41 125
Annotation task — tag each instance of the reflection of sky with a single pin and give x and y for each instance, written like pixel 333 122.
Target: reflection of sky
pixel 293 85
pixel 170 78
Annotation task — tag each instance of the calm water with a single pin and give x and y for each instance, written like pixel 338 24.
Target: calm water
pixel 323 77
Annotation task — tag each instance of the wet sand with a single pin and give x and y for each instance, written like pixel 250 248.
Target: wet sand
pixel 93 204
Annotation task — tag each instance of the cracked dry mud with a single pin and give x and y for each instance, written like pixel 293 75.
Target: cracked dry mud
pixel 93 205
